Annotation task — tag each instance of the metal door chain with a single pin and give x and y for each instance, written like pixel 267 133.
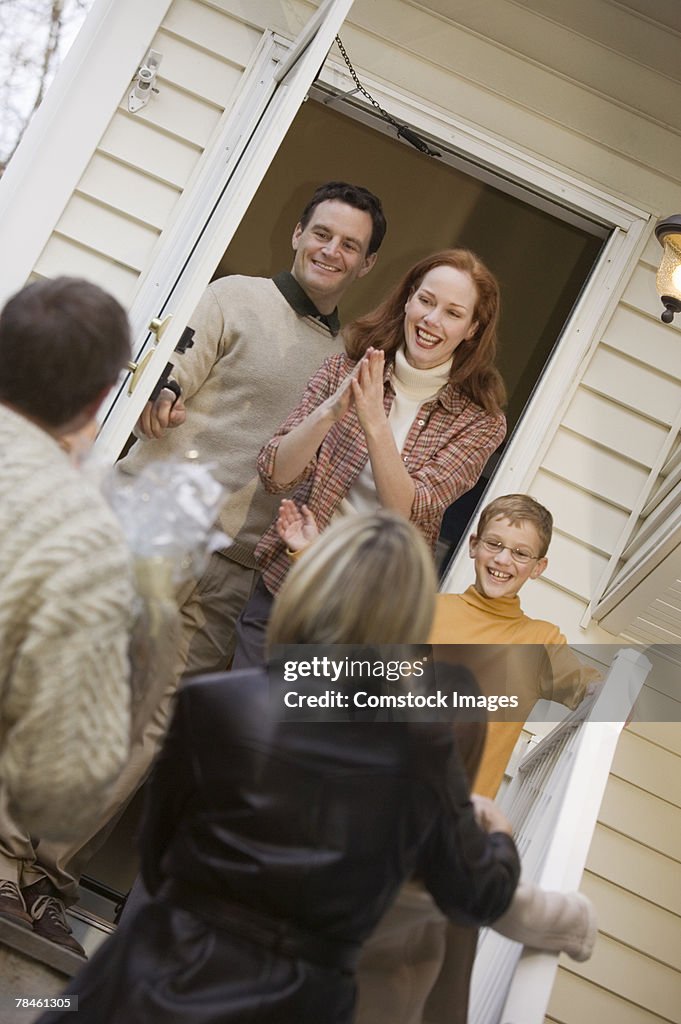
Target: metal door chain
pixel 403 131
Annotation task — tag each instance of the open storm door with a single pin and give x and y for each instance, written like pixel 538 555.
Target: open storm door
pixel 273 89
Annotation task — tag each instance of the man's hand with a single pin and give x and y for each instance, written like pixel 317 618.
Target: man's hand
pixel 488 815
pixel 159 415
pixel 296 527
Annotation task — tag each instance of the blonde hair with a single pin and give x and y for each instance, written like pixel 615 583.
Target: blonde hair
pixel 367 579
pixel 520 508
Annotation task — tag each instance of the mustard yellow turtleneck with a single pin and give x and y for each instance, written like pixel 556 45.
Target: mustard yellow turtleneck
pixel 544 667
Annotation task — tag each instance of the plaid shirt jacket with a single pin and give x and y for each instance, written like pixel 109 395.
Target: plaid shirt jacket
pixel 446 449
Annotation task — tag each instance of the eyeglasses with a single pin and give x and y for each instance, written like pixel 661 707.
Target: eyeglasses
pixel 519 555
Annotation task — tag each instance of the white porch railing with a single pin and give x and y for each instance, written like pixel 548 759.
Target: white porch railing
pixel 553 802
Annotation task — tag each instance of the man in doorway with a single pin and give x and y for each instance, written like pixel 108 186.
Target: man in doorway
pixel 257 342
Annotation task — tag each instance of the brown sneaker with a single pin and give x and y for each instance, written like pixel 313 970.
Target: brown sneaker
pixel 47 914
pixel 12 904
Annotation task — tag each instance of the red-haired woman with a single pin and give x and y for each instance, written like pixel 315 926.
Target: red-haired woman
pixel 405 420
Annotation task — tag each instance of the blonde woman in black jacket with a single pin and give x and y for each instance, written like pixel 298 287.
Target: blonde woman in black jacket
pixel 271 848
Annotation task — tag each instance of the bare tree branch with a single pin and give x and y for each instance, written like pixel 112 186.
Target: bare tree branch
pixel 34 37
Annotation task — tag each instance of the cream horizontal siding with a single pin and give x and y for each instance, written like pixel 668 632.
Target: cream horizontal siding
pixel 634 384
pixel 64 256
pixel 594 468
pixel 169 160
pixel 658 931
pixel 664 496
pixel 130 189
pixel 91 223
pixel 517 95
pixel 603 420
pixel 646 615
pixel 123 188
pixel 638 38
pixel 591 520
pixel 658 621
pixel 573 566
pixel 633 875
pixel 577 999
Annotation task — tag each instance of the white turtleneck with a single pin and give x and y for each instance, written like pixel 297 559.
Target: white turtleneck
pixel 413 387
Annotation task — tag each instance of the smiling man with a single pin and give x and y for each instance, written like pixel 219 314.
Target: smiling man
pixel 256 343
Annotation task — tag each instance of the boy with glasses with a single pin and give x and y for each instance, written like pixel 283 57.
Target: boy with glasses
pixel 508 549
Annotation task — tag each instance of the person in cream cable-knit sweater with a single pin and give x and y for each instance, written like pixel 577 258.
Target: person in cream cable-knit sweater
pixel 67 591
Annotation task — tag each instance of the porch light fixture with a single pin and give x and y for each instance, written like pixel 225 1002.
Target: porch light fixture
pixel 668 280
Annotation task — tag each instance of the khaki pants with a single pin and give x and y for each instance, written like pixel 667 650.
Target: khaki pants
pixel 416 967
pixel 208 611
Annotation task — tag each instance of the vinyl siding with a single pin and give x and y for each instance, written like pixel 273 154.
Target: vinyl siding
pixel 633 875
pixel 144 162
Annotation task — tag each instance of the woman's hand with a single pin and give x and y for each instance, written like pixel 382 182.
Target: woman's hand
pixel 297 446
pixel 394 486
pixel 296 527
pixel 367 391
pixel 337 404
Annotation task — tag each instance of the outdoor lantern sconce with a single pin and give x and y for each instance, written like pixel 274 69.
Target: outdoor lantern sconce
pixel 668 281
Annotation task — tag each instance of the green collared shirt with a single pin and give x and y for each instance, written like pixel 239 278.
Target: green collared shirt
pixel 301 302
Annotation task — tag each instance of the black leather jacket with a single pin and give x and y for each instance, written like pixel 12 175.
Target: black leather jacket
pixel 316 824
pixel 271 851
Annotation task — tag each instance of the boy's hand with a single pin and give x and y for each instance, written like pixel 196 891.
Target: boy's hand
pixel 296 527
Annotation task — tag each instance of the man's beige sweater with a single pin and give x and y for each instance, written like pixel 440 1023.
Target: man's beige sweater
pixel 65 613
pixel 251 359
